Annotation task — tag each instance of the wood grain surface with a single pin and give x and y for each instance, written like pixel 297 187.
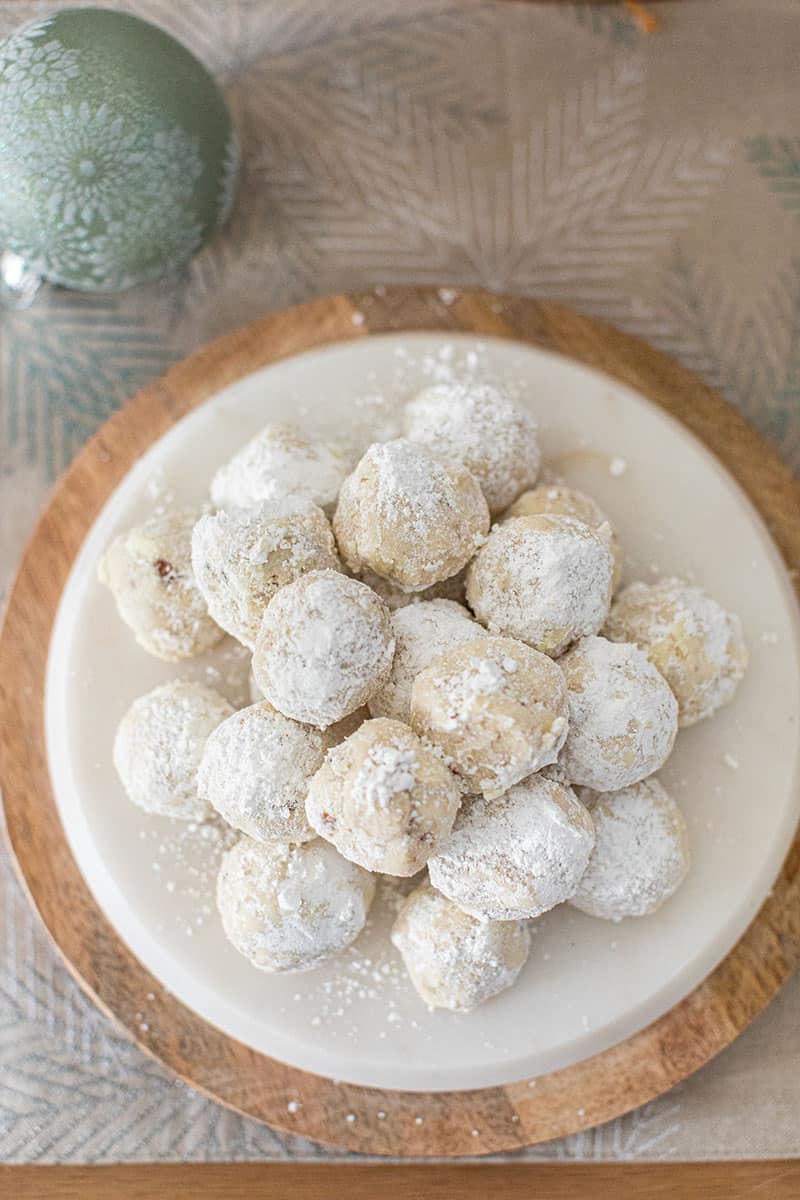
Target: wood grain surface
pixel 329 1181
pixel 457 1123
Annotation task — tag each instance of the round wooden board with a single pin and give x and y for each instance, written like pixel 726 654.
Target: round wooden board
pixel 364 1119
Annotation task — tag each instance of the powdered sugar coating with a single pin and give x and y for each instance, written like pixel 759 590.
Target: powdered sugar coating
pixel 291 908
pixel 241 558
pixel 159 744
pixel 494 709
pixel 623 718
pixel 384 799
pixel 334 733
pixel 255 772
pixel 545 580
pixel 455 961
pixel 569 502
pixel 641 853
pixel 693 641
pixel 421 632
pixel 479 425
pixel 517 855
pixel 149 572
pixel 408 516
pixel 325 646
pixel 280 462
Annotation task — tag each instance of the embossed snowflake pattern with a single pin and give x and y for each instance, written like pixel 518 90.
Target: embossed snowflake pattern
pixel 99 177
pixel 31 70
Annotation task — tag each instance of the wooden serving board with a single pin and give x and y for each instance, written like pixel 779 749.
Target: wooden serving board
pixel 410 1123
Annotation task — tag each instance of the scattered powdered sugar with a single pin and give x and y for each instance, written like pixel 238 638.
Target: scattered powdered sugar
pixel 617 467
pixel 157 488
pixel 695 643
pixel 544 579
pixel 452 362
pixel 640 856
pixel 481 426
pixel 324 647
pixel 289 908
pixel 279 462
pixel 185 861
pixel 515 856
pixel 623 716
pixel 421 631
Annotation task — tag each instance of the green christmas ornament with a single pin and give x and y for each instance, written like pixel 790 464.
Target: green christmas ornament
pixel 118 157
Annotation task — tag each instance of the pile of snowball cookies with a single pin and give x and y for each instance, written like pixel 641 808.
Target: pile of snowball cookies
pixel 441 679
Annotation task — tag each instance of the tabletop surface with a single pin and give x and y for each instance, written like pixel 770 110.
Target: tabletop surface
pixel 653 181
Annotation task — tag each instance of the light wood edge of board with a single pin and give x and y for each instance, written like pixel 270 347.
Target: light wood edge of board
pixel 362 1119
pixel 774 1179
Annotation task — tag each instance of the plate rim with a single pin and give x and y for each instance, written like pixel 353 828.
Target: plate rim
pixel 506 1117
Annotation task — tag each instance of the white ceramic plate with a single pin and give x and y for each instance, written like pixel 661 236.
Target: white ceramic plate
pixel 588 984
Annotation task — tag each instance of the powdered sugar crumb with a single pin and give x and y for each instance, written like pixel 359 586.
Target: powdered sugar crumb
pixel 388 770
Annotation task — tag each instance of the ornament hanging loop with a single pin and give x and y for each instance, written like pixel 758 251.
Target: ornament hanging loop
pixel 18 283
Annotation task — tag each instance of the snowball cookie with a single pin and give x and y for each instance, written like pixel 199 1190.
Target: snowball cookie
pixel 255 772
pixel 453 588
pixel 479 425
pixel 149 572
pixel 517 855
pixel 544 579
pixel 421 632
pixel 290 908
pixel 623 718
pixel 324 647
pixel 383 799
pixel 159 744
pixel 569 502
pixel 640 856
pixel 279 462
pixel 697 646
pixel 495 709
pixel 408 516
pixel 455 961
pixel 240 559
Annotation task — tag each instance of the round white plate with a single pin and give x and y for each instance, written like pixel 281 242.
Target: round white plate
pixel 588 983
